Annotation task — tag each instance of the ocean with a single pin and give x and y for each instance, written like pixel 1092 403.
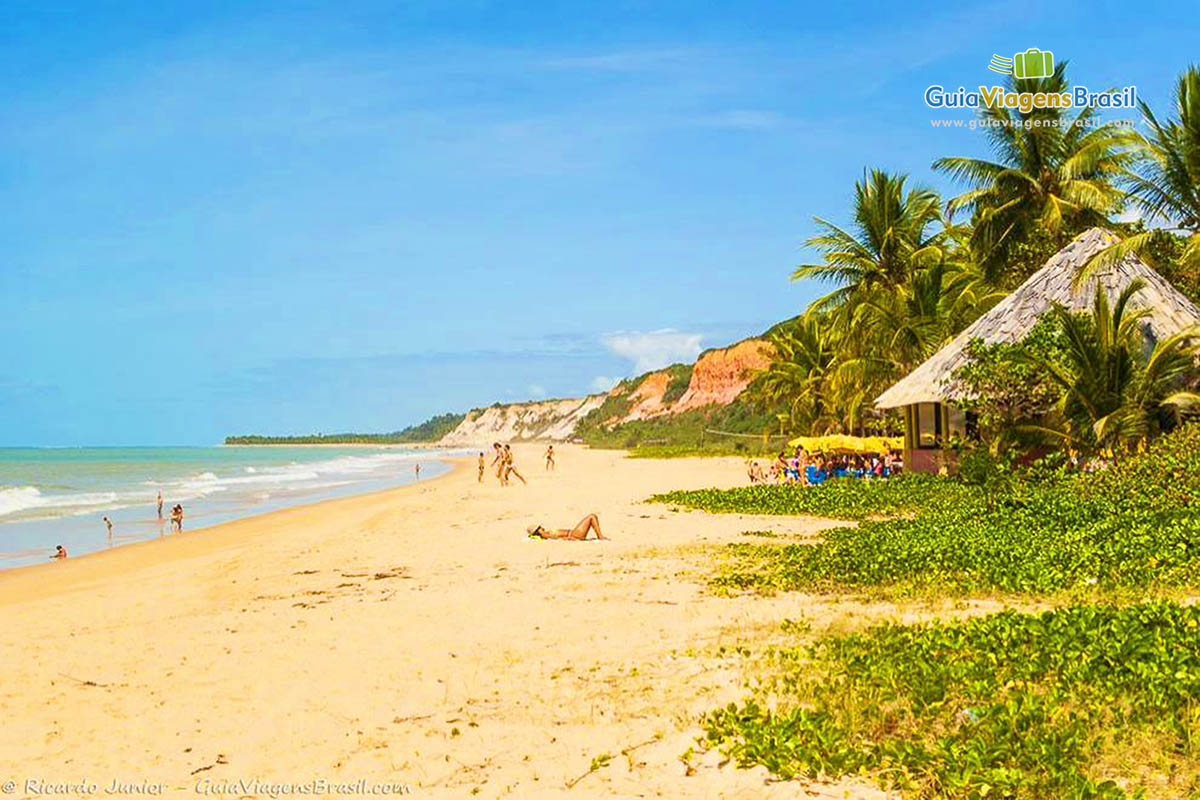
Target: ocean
pixel 51 496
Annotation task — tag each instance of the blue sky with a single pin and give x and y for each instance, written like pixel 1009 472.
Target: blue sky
pixel 233 217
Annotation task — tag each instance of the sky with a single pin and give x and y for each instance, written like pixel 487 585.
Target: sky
pixel 290 218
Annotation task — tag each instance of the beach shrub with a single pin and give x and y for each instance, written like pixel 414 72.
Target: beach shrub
pixel 1058 704
pixel 1003 386
pixel 991 472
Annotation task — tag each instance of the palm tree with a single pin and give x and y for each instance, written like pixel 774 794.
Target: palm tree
pixel 1166 182
pixel 1052 173
pixel 798 377
pixel 905 325
pixel 893 233
pixel 1114 394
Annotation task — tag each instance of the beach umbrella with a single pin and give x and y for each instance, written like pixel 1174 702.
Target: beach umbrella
pixel 842 443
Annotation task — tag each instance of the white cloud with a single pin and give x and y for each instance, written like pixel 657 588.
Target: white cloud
pixel 1130 214
pixel 602 383
pixel 654 349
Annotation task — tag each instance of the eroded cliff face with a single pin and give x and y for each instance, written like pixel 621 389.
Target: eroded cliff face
pixel 646 400
pixel 717 378
pixel 547 419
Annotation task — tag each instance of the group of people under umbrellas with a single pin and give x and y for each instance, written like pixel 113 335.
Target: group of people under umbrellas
pixel 808 469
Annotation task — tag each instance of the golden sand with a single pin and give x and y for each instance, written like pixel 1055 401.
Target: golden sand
pixel 412 637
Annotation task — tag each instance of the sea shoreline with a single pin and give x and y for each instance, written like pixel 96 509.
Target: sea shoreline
pixel 219 528
pixel 69 496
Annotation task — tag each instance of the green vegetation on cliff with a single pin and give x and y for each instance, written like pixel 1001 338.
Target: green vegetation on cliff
pixel 692 430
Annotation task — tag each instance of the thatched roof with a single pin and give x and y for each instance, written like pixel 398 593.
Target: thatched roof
pixel 1012 318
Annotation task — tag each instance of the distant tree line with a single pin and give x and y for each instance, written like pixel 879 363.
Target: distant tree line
pixel 430 430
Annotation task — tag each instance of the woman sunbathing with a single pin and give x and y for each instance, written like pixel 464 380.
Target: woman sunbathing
pixel 577 534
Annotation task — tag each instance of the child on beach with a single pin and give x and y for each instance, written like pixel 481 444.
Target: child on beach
pixel 60 553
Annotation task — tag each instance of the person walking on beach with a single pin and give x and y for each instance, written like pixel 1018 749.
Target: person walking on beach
pixel 417 470
pixel 160 504
pixel 482 467
pixel 509 467
pixel 108 524
pixel 498 463
pixel 177 518
pixel 550 457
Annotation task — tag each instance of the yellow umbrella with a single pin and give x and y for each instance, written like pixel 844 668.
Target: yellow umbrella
pixel 849 444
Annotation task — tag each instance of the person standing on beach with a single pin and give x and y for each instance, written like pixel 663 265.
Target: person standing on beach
pixel 417 470
pixel 108 524
pixel 509 467
pixel 482 467
pixel 550 457
pixel 160 504
pixel 498 463
pixel 177 518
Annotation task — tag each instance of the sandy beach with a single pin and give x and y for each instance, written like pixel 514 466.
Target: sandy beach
pixel 413 637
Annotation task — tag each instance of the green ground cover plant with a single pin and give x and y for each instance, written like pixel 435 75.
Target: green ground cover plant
pixel 1092 701
pixel 722 448
pixel 1136 524
pixel 843 499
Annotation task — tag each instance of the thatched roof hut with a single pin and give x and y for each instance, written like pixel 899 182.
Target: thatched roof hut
pixel 1013 317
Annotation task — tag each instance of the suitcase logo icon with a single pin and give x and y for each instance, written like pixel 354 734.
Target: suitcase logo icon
pixel 1033 63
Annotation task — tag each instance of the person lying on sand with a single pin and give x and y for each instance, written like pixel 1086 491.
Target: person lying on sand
pixel 577 534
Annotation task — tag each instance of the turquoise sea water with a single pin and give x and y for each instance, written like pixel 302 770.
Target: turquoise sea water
pixel 51 496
